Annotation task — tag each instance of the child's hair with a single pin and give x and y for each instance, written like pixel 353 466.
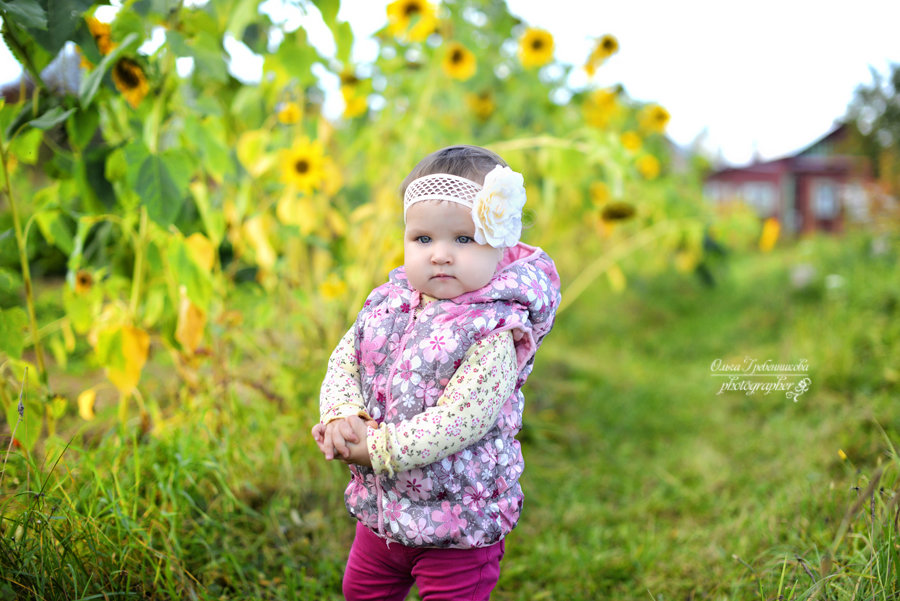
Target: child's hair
pixel 470 162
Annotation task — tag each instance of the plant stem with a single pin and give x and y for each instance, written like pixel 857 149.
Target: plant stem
pixel 23 260
pixel 138 263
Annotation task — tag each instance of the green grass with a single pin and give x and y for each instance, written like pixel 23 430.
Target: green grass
pixel 641 481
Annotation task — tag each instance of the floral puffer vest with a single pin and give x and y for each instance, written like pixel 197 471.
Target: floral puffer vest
pixel 471 498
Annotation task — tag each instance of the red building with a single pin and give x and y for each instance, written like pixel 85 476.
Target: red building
pixel 818 188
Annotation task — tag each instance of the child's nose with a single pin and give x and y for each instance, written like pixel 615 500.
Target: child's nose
pixel 441 255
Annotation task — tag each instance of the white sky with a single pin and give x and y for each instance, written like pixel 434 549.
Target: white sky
pixel 769 76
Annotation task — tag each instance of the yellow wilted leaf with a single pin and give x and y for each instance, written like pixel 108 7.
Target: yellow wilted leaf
pixel 336 222
pixel 251 152
pixel 202 250
pixel 299 211
pixel 363 212
pixel 332 288
pixel 616 278
pixel 334 179
pixel 321 263
pixel 135 349
pixel 256 231
pixel 686 260
pixel 769 236
pixel 191 322
pixel 86 404
pixel 68 335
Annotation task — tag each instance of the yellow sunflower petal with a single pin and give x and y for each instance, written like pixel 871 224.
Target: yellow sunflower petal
pixel 459 63
pixel 302 165
pixel 535 47
pixel 86 404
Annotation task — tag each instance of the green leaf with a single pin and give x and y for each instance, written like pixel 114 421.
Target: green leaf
pixel 208 136
pixel 210 56
pixel 162 182
pixel 91 83
pixel 28 52
pixel 63 18
pixel 56 232
pixel 109 348
pixel 187 273
pixel 329 10
pixel 13 330
pixel 213 219
pixel 11 284
pixel 81 127
pixel 27 13
pixel 294 58
pixel 343 40
pixel 28 428
pixel 51 118
pixel 244 13
pixel 25 147
pixel 82 308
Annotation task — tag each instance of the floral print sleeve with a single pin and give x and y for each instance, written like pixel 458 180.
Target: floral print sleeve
pixel 341 395
pixel 465 412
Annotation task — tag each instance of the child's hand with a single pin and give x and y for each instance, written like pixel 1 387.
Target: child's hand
pixel 344 439
pixel 359 452
pixel 332 438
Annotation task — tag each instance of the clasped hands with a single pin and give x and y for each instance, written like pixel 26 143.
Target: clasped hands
pixel 344 439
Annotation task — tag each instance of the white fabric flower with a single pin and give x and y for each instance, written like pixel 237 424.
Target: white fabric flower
pixel 497 211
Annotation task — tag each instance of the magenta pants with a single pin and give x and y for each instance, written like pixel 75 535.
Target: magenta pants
pixel 376 571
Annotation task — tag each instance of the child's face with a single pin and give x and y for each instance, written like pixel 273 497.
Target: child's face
pixel 441 256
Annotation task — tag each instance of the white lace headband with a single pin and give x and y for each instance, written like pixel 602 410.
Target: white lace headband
pixel 496 206
pixel 440 186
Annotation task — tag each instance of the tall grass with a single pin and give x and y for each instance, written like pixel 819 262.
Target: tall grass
pixel 641 481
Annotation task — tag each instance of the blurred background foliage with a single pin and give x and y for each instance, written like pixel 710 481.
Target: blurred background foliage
pixel 189 213
pixel 180 250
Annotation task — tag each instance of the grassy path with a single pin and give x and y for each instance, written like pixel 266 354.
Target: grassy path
pixel 642 481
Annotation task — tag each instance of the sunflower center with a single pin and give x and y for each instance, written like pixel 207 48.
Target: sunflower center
pixel 608 45
pixel 128 74
pixel 411 8
pixel 456 56
pixel 301 166
pixel 537 44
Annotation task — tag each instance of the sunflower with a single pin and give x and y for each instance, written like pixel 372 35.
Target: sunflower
pixel 605 48
pixel 535 47
pixel 653 119
pixel 130 81
pixel 648 166
pixel 301 166
pixel 617 211
pixel 101 33
pixel 411 20
pixel 84 281
pixel 354 104
pixel 482 104
pixel 600 106
pixel 348 78
pixel 631 141
pixel 458 62
pixel 289 113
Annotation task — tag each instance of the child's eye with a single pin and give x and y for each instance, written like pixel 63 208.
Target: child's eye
pixel 464 239
pixel 424 239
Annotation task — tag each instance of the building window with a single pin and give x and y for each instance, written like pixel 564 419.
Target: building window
pixel 760 196
pixel 825 199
